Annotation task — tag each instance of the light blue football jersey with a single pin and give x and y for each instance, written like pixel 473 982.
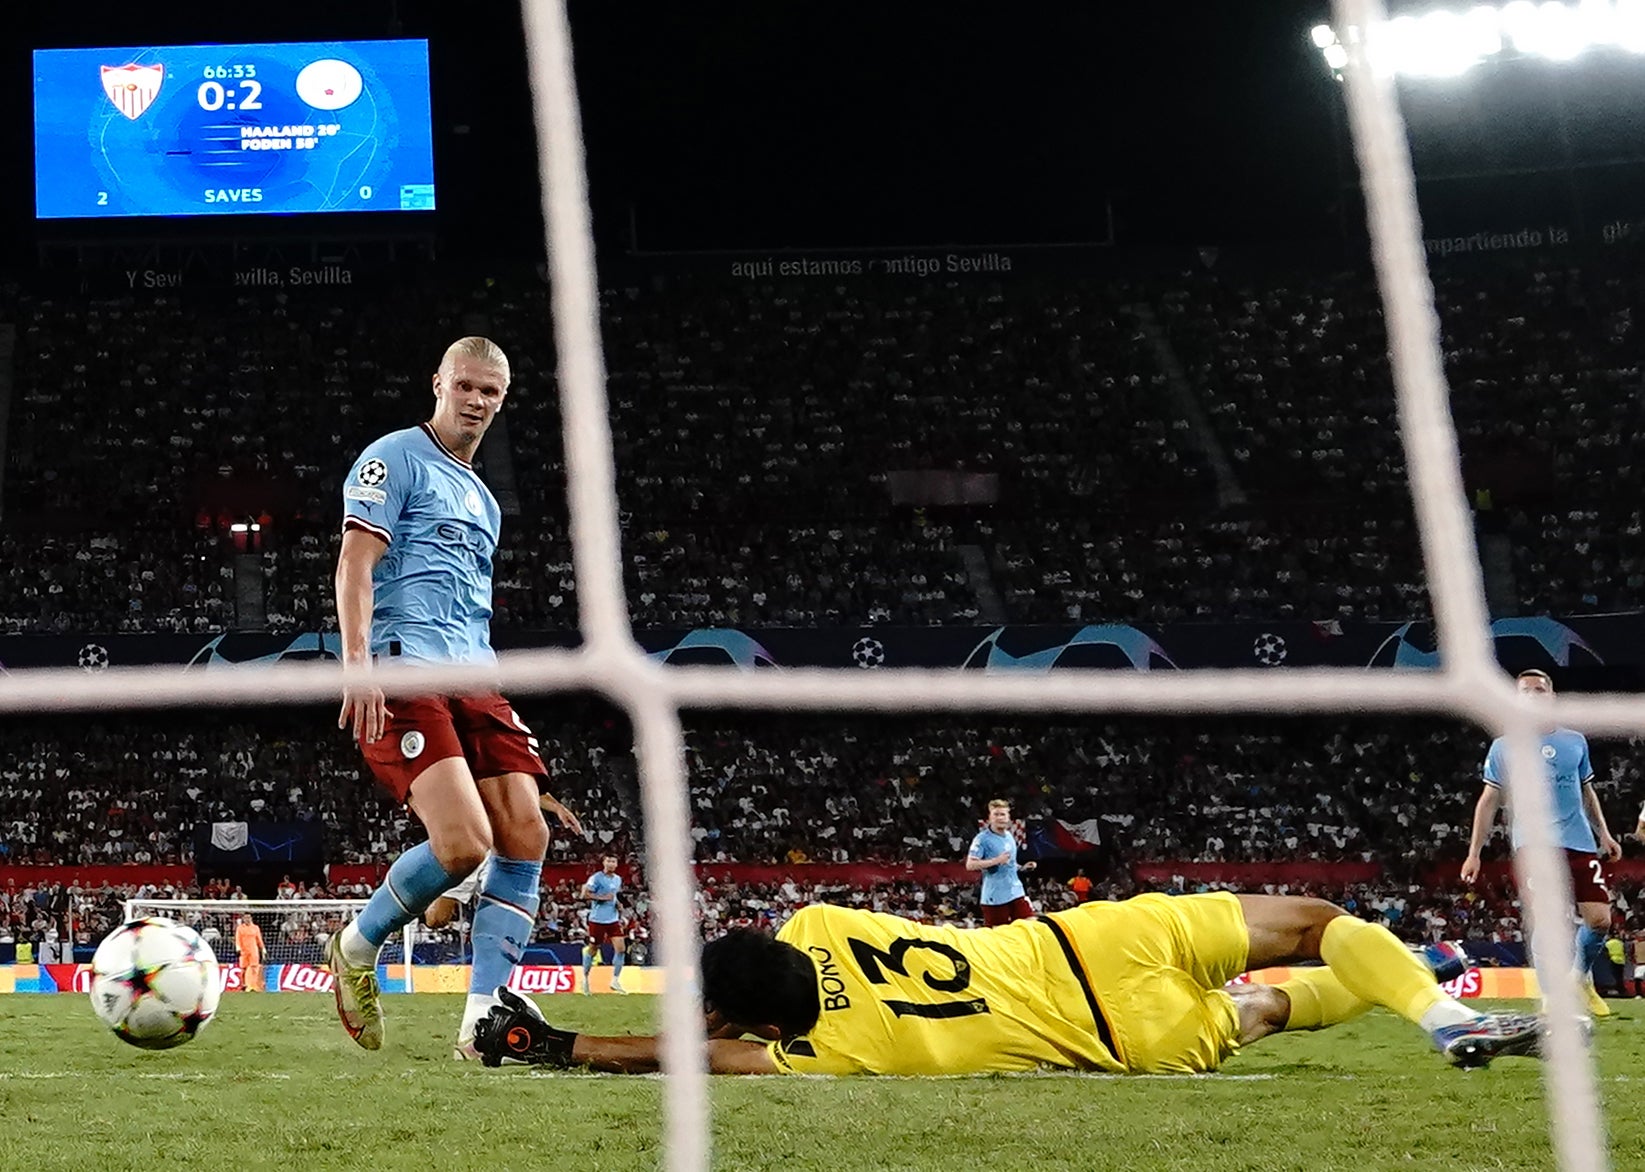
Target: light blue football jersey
pixel 603 911
pixel 431 598
pixel 1000 883
pixel 1565 755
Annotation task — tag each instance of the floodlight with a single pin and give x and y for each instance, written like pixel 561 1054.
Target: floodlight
pixel 1628 25
pixel 1444 43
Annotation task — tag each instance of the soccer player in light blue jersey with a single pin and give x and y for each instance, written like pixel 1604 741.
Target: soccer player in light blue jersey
pixel 994 853
pixel 420 529
pixel 1579 827
pixel 605 923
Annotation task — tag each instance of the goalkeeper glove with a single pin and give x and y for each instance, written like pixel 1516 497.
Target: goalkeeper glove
pixel 516 1032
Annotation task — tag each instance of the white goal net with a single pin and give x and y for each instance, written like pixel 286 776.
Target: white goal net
pixel 1469 685
pixel 294 934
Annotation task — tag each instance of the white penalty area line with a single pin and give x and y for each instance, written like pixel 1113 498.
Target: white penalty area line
pixel 220 1076
pixel 464 1071
pixel 152 1075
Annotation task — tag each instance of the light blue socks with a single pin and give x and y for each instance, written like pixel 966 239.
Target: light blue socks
pixel 503 921
pixel 1590 946
pixel 414 881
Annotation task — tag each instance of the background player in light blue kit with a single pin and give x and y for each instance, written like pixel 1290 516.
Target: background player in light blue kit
pixel 414 584
pixel 994 853
pixel 605 923
pixel 1579 827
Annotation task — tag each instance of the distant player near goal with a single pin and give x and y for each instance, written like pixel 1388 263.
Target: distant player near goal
pixel 248 941
pixel 1579 827
pixel 994 853
pixel 605 923
pixel 420 529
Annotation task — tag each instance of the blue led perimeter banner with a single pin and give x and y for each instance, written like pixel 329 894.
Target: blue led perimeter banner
pixel 1608 649
pixel 195 130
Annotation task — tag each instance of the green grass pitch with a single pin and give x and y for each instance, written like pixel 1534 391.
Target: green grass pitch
pixel 274 1083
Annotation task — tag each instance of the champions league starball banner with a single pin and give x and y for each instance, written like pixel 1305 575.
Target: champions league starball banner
pixel 1597 650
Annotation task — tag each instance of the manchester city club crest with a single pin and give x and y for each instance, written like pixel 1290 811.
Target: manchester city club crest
pixel 133 88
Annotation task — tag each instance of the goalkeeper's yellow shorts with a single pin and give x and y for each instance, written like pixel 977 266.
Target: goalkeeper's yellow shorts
pixel 1158 964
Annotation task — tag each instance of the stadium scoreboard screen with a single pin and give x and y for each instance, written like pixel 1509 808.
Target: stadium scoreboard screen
pixel 198 130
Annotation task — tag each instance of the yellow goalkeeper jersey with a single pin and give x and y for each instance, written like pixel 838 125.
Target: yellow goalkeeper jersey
pixel 900 997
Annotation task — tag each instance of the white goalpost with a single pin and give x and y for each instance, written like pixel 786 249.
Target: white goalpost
pixel 294 930
pixel 1467 686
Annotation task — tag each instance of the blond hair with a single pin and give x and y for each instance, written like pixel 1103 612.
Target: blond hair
pixel 999 804
pixel 481 350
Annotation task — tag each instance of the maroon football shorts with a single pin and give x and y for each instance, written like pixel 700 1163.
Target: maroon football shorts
pixel 1587 877
pixel 483 730
pixel 995 914
pixel 599 934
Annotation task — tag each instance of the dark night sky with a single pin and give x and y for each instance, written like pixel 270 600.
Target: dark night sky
pixel 768 125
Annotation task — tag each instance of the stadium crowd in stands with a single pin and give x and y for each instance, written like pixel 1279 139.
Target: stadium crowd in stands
pixel 756 425
pixel 80 792
pixel 786 790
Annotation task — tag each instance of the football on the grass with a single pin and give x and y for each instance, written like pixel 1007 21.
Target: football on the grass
pixel 154 983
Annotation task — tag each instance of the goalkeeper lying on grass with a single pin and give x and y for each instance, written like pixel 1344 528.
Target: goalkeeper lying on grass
pixel 1133 987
